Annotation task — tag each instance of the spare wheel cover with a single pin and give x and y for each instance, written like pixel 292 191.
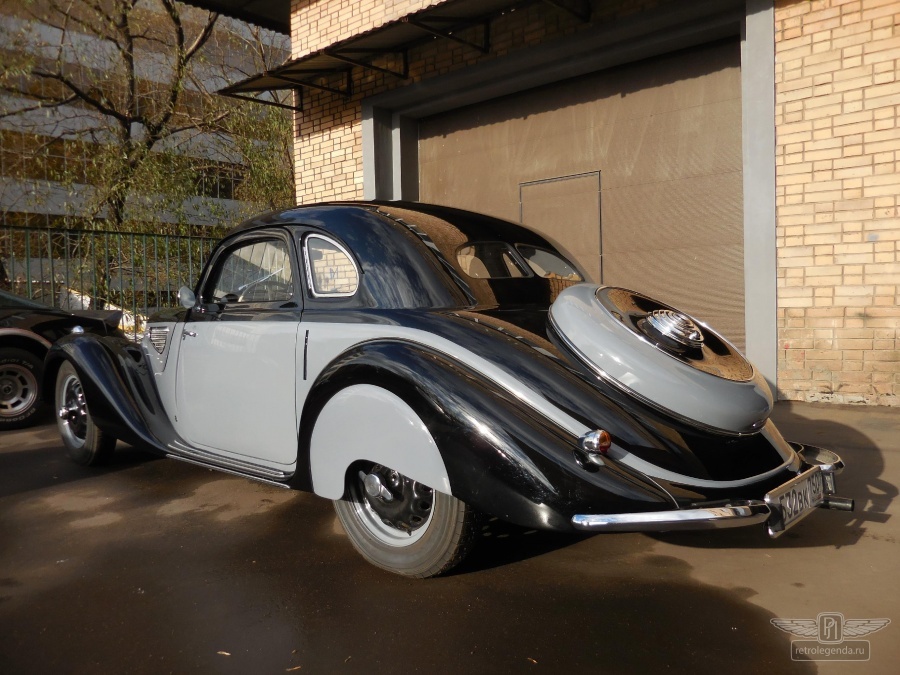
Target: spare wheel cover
pixel 663 357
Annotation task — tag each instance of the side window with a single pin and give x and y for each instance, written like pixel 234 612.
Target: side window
pixel 331 270
pixel 255 272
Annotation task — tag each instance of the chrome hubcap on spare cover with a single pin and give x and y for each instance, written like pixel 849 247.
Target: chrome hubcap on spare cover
pixel 18 390
pixel 675 334
pixel 673 325
pixel 393 508
pixel 73 411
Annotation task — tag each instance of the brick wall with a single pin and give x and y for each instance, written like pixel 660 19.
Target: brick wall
pixel 328 138
pixel 838 147
pixel 319 23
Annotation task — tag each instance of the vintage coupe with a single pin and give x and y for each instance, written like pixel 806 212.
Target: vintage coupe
pixel 27 330
pixel 421 366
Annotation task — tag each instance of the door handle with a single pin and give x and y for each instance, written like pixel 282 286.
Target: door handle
pixel 187 333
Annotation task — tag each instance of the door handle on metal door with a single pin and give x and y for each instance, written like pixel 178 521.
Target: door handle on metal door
pixel 187 333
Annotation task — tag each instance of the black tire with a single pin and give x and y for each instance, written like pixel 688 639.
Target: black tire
pixel 20 395
pixel 85 442
pixel 428 542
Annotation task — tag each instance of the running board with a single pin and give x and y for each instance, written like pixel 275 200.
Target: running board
pixel 217 467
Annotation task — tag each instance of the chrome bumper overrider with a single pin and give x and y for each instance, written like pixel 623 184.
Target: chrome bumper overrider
pixel 735 513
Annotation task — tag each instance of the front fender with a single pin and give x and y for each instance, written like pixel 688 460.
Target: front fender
pixel 500 456
pixel 117 385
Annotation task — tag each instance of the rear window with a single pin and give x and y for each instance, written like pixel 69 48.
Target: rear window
pixel 547 264
pixel 490 260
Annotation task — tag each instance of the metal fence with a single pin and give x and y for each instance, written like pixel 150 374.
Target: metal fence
pixel 90 269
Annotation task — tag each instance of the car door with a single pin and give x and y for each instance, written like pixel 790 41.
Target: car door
pixel 235 389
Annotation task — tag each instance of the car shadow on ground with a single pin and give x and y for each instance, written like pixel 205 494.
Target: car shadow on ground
pixel 862 480
pixel 34 459
pixel 500 543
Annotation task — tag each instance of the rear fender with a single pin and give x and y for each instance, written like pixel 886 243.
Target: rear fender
pixel 497 454
pixel 365 422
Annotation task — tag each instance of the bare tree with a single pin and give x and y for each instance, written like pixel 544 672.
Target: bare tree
pixel 134 78
pixel 128 86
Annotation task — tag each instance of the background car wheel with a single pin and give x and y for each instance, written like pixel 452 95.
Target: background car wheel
pixel 404 526
pixel 20 396
pixel 85 442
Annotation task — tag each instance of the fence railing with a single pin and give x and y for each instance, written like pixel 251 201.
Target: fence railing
pixel 89 269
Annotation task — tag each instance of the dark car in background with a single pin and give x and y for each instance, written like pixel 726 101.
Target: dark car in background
pixel 27 331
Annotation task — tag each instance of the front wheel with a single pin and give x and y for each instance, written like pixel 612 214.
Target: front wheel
pixel 85 442
pixel 404 526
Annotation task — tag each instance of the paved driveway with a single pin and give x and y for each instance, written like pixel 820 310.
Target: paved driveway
pixel 155 566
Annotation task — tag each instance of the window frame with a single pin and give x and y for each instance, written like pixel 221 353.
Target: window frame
pixel 310 278
pixel 248 239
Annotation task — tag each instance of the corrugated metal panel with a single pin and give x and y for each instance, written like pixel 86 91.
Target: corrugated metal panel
pixel 665 134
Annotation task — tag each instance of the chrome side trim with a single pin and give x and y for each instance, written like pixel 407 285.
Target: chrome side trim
pixel 792 463
pixel 737 514
pixel 27 334
pixel 216 467
pixel 213 461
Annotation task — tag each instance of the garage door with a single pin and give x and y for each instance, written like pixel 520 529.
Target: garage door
pixel 635 171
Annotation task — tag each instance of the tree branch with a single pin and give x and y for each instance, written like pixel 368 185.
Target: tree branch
pixel 97 103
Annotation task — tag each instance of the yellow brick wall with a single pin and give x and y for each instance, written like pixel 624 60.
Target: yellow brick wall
pixel 838 154
pixel 328 134
pixel 319 23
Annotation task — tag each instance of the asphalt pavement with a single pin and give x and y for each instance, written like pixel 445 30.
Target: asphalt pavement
pixel 157 566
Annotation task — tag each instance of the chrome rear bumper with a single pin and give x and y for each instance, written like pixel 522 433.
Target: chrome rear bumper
pixel 737 514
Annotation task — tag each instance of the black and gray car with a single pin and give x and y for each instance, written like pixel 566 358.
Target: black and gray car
pixel 27 331
pixel 423 367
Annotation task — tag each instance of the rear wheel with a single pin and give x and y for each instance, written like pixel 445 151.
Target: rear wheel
pixel 20 396
pixel 85 442
pixel 404 526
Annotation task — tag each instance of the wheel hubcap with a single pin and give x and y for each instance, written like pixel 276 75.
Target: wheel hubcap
pixel 73 411
pixel 18 390
pixel 394 508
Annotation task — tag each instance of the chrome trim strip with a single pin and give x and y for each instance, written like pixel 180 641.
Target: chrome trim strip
pixel 606 377
pixel 216 467
pixel 645 467
pixel 535 400
pixel 27 334
pixel 211 460
pixel 738 514
pixel 310 279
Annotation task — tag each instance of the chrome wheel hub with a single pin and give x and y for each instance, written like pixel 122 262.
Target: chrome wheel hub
pixel 393 507
pixel 18 390
pixel 73 411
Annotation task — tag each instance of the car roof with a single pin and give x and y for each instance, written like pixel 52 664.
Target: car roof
pixel 429 218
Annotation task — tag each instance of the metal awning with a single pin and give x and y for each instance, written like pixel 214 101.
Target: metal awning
pixel 384 49
pixel 272 14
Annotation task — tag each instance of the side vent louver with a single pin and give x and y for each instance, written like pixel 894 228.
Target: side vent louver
pixel 158 338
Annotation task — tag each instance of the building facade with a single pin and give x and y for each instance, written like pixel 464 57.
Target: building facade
pixel 736 158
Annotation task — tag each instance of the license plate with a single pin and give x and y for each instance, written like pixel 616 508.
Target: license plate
pixel 795 500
